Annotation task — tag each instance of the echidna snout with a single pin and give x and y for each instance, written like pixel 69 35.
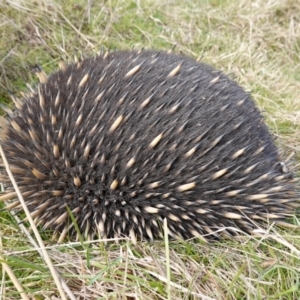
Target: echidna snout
pixel 127 139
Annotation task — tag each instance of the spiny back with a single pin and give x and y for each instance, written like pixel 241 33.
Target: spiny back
pixel 129 138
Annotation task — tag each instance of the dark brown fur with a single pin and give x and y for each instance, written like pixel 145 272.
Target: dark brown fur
pixel 197 152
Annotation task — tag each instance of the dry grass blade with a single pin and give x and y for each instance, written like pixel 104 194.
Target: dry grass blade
pixel 13 278
pixel 166 235
pixel 35 230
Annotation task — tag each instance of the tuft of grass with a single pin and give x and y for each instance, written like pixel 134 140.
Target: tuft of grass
pixel 257 43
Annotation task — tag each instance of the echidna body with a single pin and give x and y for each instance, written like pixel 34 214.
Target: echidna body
pixel 127 139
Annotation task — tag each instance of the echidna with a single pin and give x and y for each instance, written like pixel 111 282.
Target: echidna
pixel 128 138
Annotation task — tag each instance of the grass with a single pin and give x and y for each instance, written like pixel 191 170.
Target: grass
pixel 256 42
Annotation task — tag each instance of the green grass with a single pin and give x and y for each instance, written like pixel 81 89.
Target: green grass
pixel 256 42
